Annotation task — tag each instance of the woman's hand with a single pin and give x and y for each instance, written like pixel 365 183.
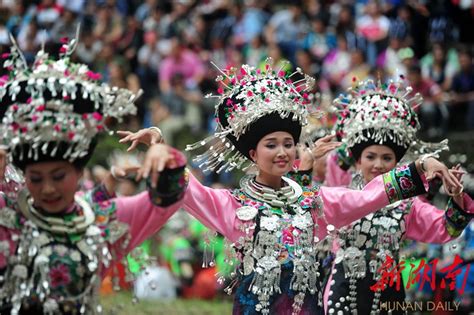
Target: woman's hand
pixel 433 168
pixel 157 158
pixel 458 195
pixel 116 174
pixel 147 136
pixel 324 145
pixel 321 147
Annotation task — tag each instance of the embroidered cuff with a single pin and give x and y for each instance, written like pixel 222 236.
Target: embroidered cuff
pixel 403 182
pixel 456 218
pixel 99 193
pixel 170 188
pixel 344 157
pixel 304 178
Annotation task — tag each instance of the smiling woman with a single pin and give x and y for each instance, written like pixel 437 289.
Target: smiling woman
pixel 378 125
pixel 52 185
pixel 277 225
pixel 54 245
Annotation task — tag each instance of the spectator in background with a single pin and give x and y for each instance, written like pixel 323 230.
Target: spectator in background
pixel 462 98
pixel 390 60
pixel 149 58
pixel 47 13
pixel 18 16
pixel 180 61
pixel 374 27
pixel 130 41
pixel 145 10
pixel 433 112
pixel 88 48
pixel 337 64
pixel 440 65
pixel 287 29
pixel 30 38
pixel 179 17
pixel 65 26
pixel 359 69
pixel 256 51
pixel 319 41
pixel 4 40
pixel 345 27
pixel 157 21
pixel 108 24
pixel 182 102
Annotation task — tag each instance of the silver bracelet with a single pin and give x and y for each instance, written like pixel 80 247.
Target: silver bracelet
pixel 423 159
pixel 159 131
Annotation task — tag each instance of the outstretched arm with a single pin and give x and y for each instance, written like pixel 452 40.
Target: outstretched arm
pixel 428 224
pixel 343 206
pixel 147 212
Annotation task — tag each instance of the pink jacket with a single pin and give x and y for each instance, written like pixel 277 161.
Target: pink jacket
pixel 216 208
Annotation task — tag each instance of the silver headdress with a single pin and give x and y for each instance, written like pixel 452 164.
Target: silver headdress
pixel 246 95
pixel 387 111
pixel 56 101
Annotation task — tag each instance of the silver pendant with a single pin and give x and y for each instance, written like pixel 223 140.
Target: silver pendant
pixel 246 213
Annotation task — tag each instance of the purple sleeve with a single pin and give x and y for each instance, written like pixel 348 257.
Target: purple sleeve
pixel 215 208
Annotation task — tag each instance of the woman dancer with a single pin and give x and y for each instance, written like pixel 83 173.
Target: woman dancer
pixel 55 246
pixel 275 225
pixel 378 125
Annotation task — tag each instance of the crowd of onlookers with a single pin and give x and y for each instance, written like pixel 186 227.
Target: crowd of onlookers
pixel 166 48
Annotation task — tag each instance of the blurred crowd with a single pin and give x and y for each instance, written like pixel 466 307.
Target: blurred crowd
pixel 167 47
pixel 173 50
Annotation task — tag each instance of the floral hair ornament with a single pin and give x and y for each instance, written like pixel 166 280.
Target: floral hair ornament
pixel 56 104
pixel 253 101
pixel 378 114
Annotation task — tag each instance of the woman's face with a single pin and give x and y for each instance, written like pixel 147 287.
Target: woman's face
pixel 52 184
pixel 376 160
pixel 274 154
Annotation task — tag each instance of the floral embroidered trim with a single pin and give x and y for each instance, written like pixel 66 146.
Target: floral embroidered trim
pixel 98 194
pixel 456 218
pixel 171 186
pixel 304 178
pixel 403 182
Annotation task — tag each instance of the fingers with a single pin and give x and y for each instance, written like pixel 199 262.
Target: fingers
pixel 451 184
pixel 327 138
pixel 124 133
pixel 133 145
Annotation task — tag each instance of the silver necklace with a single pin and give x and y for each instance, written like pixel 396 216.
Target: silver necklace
pixel 56 225
pixel 288 194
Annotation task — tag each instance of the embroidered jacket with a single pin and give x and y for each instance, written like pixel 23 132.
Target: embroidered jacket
pixel 363 246
pixel 62 271
pixel 267 237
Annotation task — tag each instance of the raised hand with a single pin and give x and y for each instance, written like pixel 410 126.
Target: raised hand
pixel 116 174
pixel 324 145
pixel 458 194
pixel 321 147
pixel 157 158
pixel 147 136
pixel 433 168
